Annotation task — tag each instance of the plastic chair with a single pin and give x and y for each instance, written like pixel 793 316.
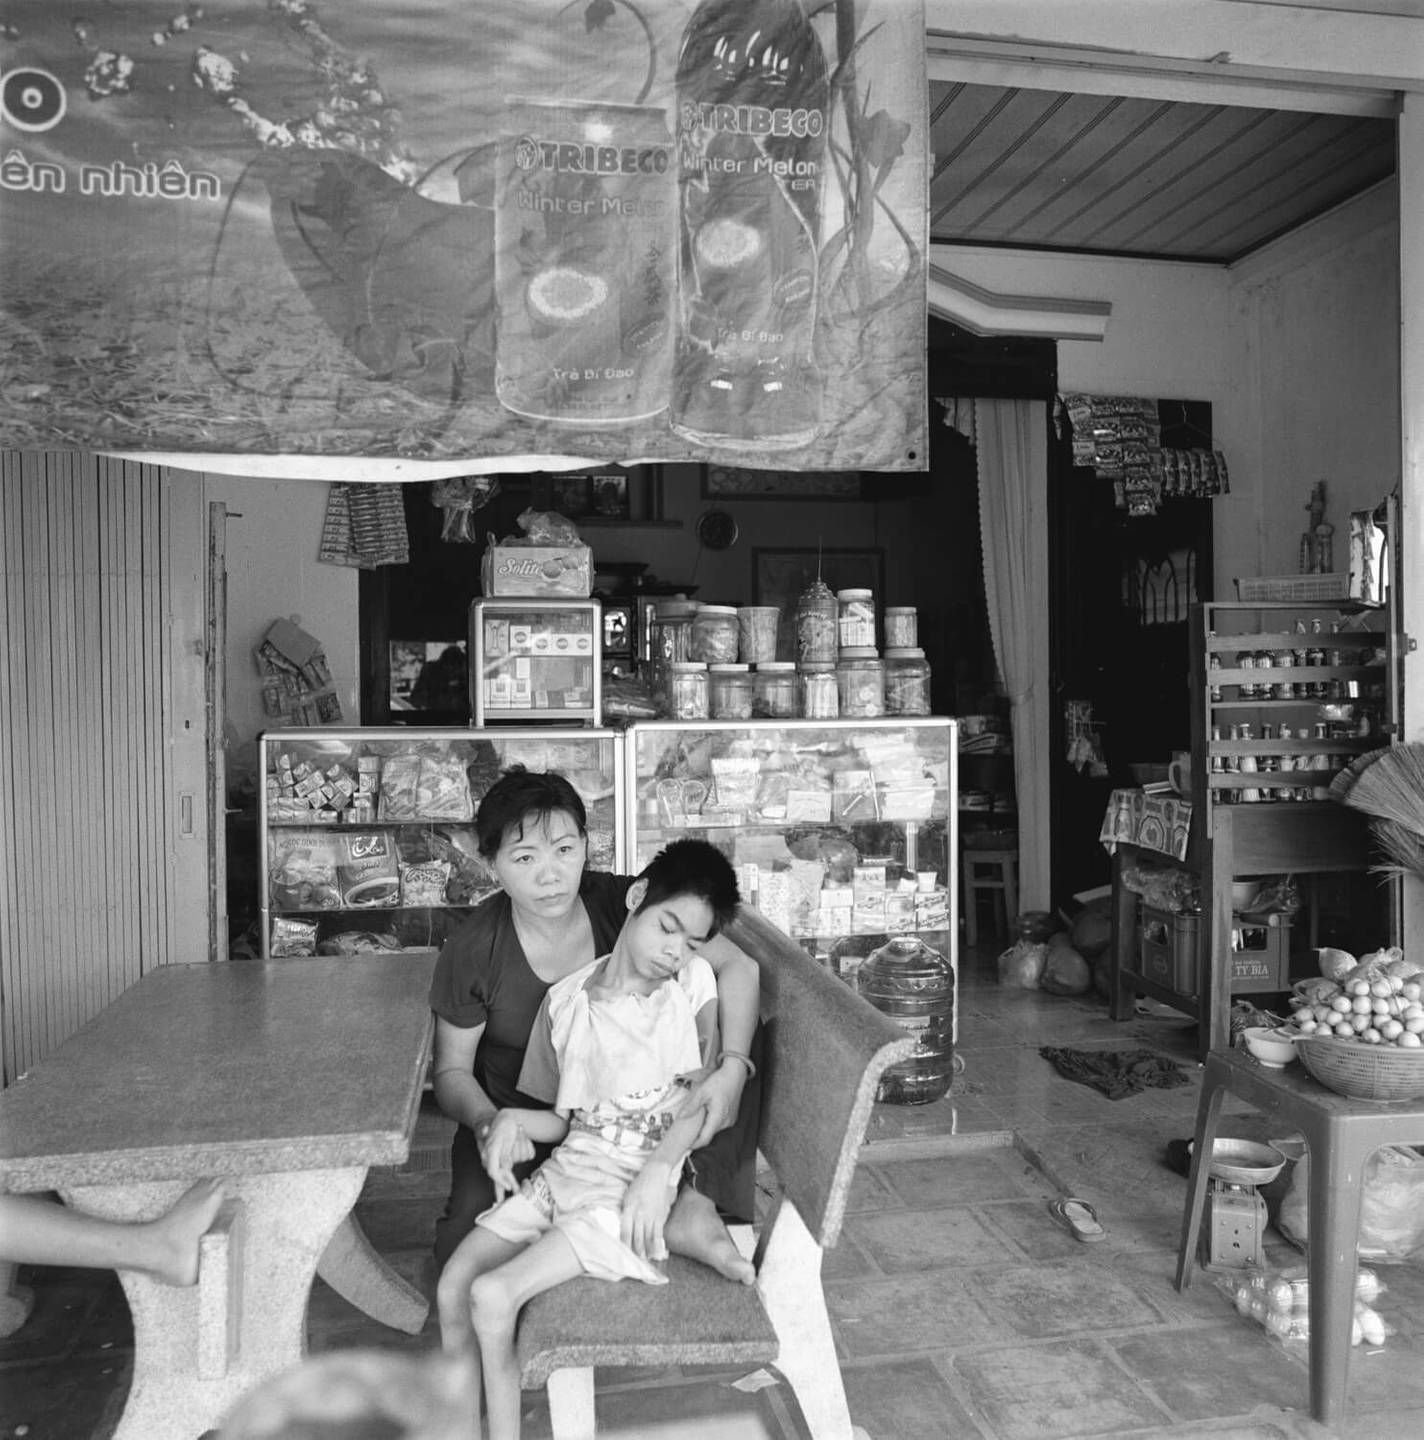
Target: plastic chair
pixel 993 873
pixel 1342 1135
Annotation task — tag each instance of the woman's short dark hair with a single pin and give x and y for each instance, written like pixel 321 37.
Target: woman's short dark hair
pixel 693 867
pixel 519 795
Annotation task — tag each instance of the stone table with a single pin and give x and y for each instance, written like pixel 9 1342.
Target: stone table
pixel 289 1079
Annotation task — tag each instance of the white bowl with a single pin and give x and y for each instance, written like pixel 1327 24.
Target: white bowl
pixel 1245 1162
pixel 1272 1047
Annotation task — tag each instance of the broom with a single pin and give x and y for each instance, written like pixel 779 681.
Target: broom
pixel 1403 848
pixel 1388 786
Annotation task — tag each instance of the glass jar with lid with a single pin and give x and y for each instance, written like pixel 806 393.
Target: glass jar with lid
pixel 715 634
pixel 860 679
pixel 731 691
pixel 669 640
pixel 902 628
pixel 856 616
pixel 820 694
pixel 688 690
pixel 907 681
pixel 774 695
pixel 817 632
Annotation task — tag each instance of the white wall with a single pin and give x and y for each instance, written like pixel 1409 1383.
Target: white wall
pixel 1315 362
pixel 1296 348
pixel 273 534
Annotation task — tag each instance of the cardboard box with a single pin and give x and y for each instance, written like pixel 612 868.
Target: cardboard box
pixel 562 570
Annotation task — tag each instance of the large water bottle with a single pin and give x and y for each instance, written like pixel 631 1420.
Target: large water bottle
pixel 914 985
pixel 752 119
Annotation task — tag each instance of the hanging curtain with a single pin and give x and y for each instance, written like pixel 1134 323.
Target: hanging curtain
pixel 1012 450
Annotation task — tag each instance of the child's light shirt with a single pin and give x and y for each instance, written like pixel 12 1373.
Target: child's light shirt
pixel 612 1064
pixel 586 1051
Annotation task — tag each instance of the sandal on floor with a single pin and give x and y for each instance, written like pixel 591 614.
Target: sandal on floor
pixel 1078 1218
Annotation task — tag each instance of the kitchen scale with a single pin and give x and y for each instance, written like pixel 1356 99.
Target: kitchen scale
pixel 1235 1222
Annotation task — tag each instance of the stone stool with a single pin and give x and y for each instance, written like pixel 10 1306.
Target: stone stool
pixel 995 873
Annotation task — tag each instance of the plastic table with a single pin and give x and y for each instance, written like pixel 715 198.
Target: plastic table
pixel 290 1079
pixel 1342 1135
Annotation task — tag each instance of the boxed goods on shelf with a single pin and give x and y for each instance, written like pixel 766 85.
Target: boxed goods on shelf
pixel 1170 952
pixel 562 571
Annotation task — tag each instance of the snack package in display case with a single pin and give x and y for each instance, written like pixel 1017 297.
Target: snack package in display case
pixel 838 828
pixel 368 834
pixel 536 660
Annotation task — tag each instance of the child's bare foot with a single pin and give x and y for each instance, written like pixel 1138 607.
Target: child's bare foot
pixel 174 1236
pixel 694 1229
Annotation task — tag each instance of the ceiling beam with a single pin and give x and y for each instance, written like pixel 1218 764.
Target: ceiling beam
pixel 988 312
pixel 1296 43
pixel 955 59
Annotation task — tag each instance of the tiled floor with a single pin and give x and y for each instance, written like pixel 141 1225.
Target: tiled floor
pixel 960 1309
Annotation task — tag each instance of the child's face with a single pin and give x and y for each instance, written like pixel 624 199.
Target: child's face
pixel 661 939
pixel 540 863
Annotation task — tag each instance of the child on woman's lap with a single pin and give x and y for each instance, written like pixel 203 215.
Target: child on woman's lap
pixel 612 1049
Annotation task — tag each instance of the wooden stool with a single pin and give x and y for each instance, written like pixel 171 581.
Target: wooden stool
pixel 994 872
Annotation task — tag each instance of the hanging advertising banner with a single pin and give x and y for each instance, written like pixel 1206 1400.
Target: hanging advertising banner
pixel 620 229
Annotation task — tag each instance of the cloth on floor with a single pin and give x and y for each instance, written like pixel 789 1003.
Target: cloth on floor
pixel 1115 1073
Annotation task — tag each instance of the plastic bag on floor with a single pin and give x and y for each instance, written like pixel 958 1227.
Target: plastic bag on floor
pixel 1279 1301
pixel 1391 1205
pixel 1021 965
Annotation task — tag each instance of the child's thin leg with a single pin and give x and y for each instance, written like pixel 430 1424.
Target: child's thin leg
pixel 35 1230
pixel 497 1297
pixel 479 1251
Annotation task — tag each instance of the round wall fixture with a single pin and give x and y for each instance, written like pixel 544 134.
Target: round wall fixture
pixel 716 529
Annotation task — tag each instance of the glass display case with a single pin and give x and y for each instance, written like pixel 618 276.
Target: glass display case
pixel 843 832
pixel 536 660
pixel 367 835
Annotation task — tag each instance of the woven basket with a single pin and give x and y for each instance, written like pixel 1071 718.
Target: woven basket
pixel 1334 586
pixel 1363 1072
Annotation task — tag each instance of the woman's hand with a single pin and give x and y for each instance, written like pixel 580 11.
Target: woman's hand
pixel 719 1092
pixel 645 1210
pixel 503 1144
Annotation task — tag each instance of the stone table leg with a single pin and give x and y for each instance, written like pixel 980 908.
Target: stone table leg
pixel 186 1378
pixel 356 1271
pixel 16 1300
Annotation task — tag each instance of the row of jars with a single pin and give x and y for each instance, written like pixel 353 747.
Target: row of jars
pixel 1320 764
pixel 859 685
pixel 829 622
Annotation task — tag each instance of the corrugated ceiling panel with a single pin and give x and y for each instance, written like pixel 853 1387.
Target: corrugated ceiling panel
pixel 1115 175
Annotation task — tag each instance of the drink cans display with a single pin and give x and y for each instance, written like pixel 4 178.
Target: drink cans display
pixel 584 261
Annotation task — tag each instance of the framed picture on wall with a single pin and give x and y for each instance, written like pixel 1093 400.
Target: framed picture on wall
pixel 779 577
pixel 726 482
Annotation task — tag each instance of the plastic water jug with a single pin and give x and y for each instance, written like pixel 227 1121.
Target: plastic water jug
pixel 914 985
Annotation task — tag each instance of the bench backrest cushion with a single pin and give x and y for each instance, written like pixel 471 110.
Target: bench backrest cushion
pixel 824 1049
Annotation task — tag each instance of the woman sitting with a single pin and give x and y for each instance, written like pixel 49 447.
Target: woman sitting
pixel 555 917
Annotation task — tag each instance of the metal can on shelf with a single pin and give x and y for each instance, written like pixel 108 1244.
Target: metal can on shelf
pixel 774 693
pixel 820 694
pixel 688 690
pixel 715 634
pixel 860 679
pixel 907 681
pixel 731 691
pixel 856 619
